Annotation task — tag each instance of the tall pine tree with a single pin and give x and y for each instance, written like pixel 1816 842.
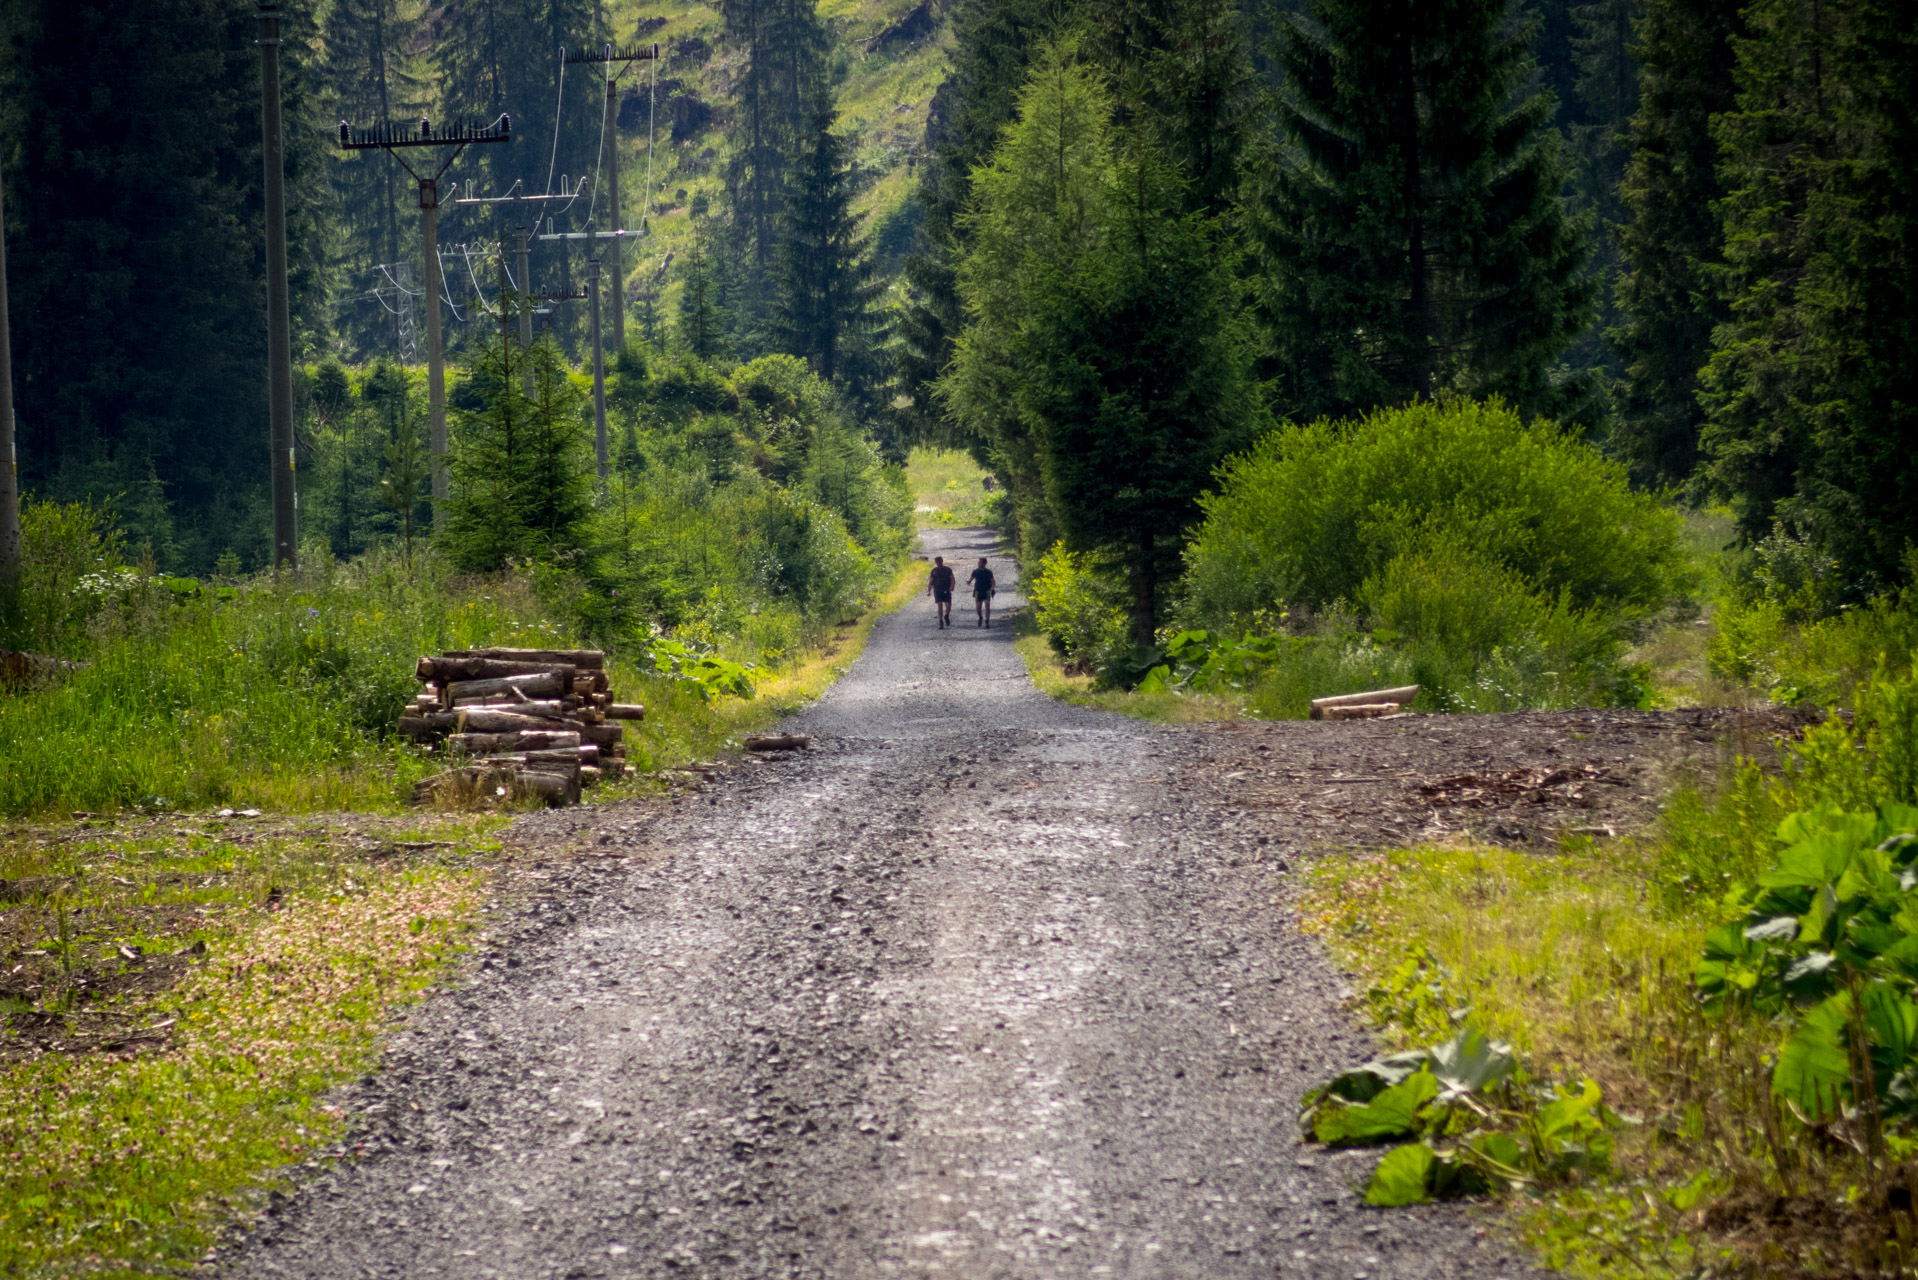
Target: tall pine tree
pixel 1414 238
pixel 370 74
pixel 1812 388
pixel 1673 237
pixel 781 89
pixel 828 290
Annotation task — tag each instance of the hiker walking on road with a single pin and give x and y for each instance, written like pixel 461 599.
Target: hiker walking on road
pixel 939 586
pixel 981 580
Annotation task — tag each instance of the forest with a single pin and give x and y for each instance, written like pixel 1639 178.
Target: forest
pixel 1548 357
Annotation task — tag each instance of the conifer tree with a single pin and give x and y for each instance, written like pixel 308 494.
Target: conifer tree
pixel 521 475
pixel 700 324
pixel 1811 392
pixel 370 75
pixel 994 42
pixel 827 286
pixel 1414 238
pixel 1672 238
pixel 1103 356
pixel 780 90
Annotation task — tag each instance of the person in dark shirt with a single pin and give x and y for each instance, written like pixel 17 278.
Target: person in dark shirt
pixel 939 587
pixel 981 580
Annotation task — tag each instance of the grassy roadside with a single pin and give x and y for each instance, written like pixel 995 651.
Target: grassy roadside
pixel 1702 979
pixel 1049 673
pixel 179 990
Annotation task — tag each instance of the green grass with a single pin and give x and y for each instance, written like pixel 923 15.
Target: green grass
pixel 949 489
pixel 143 1120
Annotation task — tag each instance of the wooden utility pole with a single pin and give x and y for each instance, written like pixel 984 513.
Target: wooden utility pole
pixel 392 139
pixel 10 461
pixel 279 328
pixel 609 159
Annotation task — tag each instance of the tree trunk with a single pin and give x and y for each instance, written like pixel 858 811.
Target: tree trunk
pixel 1145 590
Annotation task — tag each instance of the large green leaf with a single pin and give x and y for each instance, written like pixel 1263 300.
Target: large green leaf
pixel 1813 1071
pixel 1470 1063
pixel 1393 1114
pixel 1403 1177
pixel 1891 1023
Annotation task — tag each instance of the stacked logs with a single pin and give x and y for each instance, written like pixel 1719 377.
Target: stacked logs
pixel 522 722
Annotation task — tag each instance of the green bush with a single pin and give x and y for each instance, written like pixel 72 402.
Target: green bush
pixel 71 567
pixel 1080 609
pixel 1309 515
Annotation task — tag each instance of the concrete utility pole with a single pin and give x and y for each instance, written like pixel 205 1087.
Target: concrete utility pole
pixel 609 160
pixel 391 140
pixel 279 328
pixel 10 472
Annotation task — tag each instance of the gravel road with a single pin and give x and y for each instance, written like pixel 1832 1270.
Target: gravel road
pixel 985 986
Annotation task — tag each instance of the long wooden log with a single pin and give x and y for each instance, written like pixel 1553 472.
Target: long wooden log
pixel 547 685
pixel 480 744
pixel 626 711
pixel 509 782
pixel 1401 695
pixel 571 657
pixel 441 723
pixel 442 670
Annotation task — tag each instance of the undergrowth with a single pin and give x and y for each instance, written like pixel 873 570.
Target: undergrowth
pixel 1773 1140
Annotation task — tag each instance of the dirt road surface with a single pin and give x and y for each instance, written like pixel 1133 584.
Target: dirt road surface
pixel 984 986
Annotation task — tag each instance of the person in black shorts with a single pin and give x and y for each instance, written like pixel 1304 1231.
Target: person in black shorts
pixel 939 587
pixel 981 580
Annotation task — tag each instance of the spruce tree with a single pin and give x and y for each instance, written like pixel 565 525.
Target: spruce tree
pixel 1672 239
pixel 779 91
pixel 1103 356
pixel 1414 238
pixel 370 74
pixel 828 290
pixel 994 43
pixel 701 326
pixel 1812 388
pixel 521 473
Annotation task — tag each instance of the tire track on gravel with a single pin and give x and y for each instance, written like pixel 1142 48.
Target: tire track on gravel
pixel 969 992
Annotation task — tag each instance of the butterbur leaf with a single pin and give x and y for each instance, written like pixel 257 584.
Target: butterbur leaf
pixel 1470 1063
pixel 1403 1177
pixel 1362 1084
pixel 1393 1114
pixel 1813 1071
pixel 1571 1116
pixel 1891 1022
pixel 1502 1153
pixel 1777 929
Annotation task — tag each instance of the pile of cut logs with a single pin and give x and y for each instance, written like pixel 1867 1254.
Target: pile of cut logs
pixel 1364 706
pixel 519 722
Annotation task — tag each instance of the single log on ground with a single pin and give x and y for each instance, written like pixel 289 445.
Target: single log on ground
pixel 1356 711
pixel 491 782
pixel 1401 695
pixel 487 743
pixel 626 711
pixel 548 685
pixel 778 742
pixel 570 657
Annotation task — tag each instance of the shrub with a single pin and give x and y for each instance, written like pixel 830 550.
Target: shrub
pixel 1314 511
pixel 71 566
pixel 1080 609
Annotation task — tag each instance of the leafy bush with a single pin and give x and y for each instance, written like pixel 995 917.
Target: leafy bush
pixel 71 567
pixel 1080 609
pixel 1312 513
